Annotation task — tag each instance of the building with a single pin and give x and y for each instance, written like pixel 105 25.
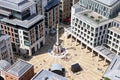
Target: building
pixel 24 26
pixel 113 71
pixel 65 9
pixel 109 8
pixel 4 65
pixel 50 9
pixel 73 2
pixel 47 75
pixel 113 37
pixel 20 70
pixel 6 52
pixel 95 27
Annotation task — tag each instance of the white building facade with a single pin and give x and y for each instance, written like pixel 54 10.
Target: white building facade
pixel 94 25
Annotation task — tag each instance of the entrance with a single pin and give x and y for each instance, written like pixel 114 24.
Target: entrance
pixel 33 50
pixel 41 44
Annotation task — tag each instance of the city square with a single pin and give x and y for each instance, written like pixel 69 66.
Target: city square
pixel 90 66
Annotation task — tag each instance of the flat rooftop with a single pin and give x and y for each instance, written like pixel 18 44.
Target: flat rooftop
pixel 108 2
pixel 4 65
pixel 91 17
pixel 115 29
pixel 24 23
pixel 52 4
pixel 103 51
pixel 113 71
pixel 47 75
pixel 117 19
pixel 16 5
pixel 18 68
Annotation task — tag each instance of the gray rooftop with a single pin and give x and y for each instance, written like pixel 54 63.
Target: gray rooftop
pixel 108 2
pixel 56 67
pixel 102 50
pixel 4 65
pixel 91 17
pixel 16 5
pixel 18 68
pixel 113 71
pixel 25 23
pixel 47 75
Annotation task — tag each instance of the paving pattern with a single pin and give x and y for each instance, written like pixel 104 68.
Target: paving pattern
pixel 76 55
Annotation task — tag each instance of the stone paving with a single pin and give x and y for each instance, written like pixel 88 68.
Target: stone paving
pixel 90 66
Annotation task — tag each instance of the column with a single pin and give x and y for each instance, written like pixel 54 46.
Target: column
pixel 81 45
pixel 71 40
pixel 86 49
pixel 98 57
pixel 30 53
pixel 104 62
pixel 76 42
pixel 92 53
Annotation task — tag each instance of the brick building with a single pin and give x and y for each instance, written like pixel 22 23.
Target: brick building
pixel 20 70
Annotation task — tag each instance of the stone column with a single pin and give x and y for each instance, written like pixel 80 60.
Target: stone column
pixel 92 53
pixel 30 52
pixel 86 49
pixel 104 61
pixel 71 40
pixel 57 39
pixel 76 42
pixel 98 57
pixel 81 45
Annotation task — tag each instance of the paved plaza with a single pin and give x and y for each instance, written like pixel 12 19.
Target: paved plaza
pixel 92 69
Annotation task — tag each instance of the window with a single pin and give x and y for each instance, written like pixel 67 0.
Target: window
pixel 92 29
pixel 80 22
pixel 115 34
pixel 84 24
pixel 88 26
pixel 111 32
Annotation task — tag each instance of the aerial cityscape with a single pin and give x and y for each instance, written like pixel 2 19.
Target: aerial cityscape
pixel 59 39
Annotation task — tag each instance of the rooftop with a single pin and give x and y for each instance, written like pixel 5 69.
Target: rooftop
pixel 47 75
pixel 113 71
pixel 4 64
pixel 108 2
pixel 115 29
pixel 16 5
pixel 18 68
pixel 25 23
pixel 105 52
pixel 92 17
pixel 56 67
pixel 117 19
pixel 51 4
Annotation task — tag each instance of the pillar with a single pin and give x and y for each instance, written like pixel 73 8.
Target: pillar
pixel 81 45
pixel 76 42
pixel 86 49
pixel 98 57
pixel 71 40
pixel 30 52
pixel 104 61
